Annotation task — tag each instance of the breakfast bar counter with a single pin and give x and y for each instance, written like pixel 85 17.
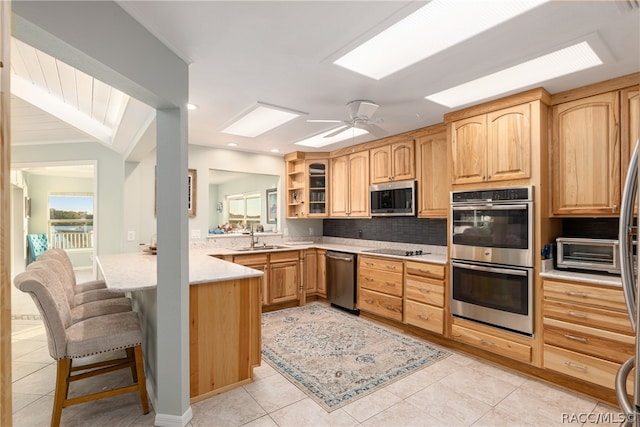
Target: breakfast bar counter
pixel 224 315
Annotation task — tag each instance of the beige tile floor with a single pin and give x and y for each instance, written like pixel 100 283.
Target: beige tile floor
pixel 457 391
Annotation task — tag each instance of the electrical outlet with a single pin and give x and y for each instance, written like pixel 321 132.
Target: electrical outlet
pixel 195 234
pixel 131 236
pixel 310 231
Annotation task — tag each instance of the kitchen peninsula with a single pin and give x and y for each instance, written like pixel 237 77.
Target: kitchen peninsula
pixel 224 315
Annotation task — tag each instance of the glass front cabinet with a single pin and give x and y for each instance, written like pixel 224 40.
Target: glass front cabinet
pixel 307 191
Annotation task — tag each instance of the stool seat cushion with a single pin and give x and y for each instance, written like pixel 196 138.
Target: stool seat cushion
pixel 101 334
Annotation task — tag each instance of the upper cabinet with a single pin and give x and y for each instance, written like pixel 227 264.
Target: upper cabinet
pixel 492 147
pixel 433 177
pixel 393 162
pixel 307 180
pixel 630 122
pixel 585 157
pixel 349 191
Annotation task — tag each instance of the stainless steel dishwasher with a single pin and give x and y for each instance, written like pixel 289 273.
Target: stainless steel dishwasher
pixel 341 280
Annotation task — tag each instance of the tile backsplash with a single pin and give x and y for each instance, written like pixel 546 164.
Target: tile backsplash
pixel 389 229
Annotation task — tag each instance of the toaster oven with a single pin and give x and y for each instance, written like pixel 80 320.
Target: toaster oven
pixel 584 254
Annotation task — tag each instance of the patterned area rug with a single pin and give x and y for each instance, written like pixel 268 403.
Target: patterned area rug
pixel 335 357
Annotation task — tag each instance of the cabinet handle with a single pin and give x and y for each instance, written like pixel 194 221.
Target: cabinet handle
pixel 615 208
pixel 390 307
pixel 368 301
pixel 575 366
pixel 424 290
pixel 369 264
pixel 487 343
pixel 571 337
pixel 423 270
pixel 577 314
pixel 577 294
pixel 423 317
pixel 390 284
pixel 390 267
pixel 369 279
pixel 488 176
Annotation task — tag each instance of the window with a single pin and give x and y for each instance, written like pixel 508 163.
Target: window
pixel 244 209
pixel 71 220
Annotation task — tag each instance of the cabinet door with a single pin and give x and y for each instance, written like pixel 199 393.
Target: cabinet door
pixel 321 280
pixel 630 124
pixel 359 184
pixel 310 271
pixel 381 164
pixel 283 282
pixel 509 143
pixel 468 145
pixel 586 156
pixel 433 177
pixel 403 161
pixel 339 193
pixel 317 182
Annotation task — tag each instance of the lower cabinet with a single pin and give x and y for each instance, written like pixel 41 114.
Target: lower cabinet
pixel 281 279
pixel 587 334
pixel 424 295
pixel 321 273
pixel 380 287
pixel 504 343
pixel 257 262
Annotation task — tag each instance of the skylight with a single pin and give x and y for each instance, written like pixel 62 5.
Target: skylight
pixel 429 30
pixel 559 63
pixel 318 141
pixel 260 119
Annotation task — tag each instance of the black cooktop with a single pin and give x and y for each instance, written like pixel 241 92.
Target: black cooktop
pixel 396 252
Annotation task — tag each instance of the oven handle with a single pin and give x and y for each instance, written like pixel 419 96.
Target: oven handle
pixel 500 207
pixel 490 269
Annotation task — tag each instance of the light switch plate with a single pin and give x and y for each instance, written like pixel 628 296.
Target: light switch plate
pixel 195 234
pixel 131 236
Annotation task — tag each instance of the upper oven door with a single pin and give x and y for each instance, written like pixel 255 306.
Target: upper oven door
pixel 493 232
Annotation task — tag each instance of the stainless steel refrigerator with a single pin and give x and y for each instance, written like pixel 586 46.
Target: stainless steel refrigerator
pixel 628 273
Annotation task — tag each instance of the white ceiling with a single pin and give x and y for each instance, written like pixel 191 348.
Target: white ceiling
pixel 282 53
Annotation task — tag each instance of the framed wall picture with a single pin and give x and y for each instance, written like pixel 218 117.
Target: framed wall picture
pixel 192 193
pixel 272 205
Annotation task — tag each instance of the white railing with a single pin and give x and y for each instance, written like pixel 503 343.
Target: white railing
pixel 81 238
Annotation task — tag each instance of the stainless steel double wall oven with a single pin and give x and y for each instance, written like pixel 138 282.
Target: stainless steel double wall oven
pixel 492 257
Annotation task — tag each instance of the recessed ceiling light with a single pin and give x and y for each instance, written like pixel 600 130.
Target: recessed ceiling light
pixel 259 119
pixel 192 107
pixel 232 144
pixel 274 150
pixel 429 30
pixel 320 141
pixel 559 63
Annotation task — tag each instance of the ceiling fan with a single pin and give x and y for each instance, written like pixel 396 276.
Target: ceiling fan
pixel 360 112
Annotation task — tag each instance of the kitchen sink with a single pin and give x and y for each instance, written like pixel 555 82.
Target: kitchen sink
pixel 260 248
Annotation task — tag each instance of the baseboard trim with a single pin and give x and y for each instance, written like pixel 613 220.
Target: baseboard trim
pixel 166 420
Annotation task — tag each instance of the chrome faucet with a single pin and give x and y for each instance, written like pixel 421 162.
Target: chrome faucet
pixel 253 242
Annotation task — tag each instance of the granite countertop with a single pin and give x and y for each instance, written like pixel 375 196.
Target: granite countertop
pixel 436 258
pixel 137 271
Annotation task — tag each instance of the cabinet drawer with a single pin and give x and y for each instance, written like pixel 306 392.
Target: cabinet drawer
pixel 381 304
pixel 435 271
pixel 382 281
pixel 381 264
pixel 504 347
pixel 430 292
pixel 581 366
pixel 596 317
pixel 252 259
pixel 284 256
pixel 582 294
pixel 424 316
pixel 583 339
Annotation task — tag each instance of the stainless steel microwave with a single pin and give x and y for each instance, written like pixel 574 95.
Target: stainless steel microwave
pixel 393 198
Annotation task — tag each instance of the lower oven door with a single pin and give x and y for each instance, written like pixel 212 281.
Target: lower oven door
pixel 494 294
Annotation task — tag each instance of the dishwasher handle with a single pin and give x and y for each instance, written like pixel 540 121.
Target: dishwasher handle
pixel 340 258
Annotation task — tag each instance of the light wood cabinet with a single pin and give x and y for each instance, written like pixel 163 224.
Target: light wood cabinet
pixel 380 289
pixel 306 185
pixel 424 285
pixel 321 277
pixel 283 276
pixel 492 147
pixel 393 162
pixel 432 174
pixel 349 192
pixel 225 337
pixel 586 156
pixel 506 344
pixel 630 125
pixel 310 271
pixel 587 333
pixel 257 262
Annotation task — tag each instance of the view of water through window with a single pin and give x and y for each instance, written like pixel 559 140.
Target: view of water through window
pixel 71 220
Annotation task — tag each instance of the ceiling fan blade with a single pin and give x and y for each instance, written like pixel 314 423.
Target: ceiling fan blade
pixel 324 121
pixel 361 108
pixel 337 131
pixel 374 130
